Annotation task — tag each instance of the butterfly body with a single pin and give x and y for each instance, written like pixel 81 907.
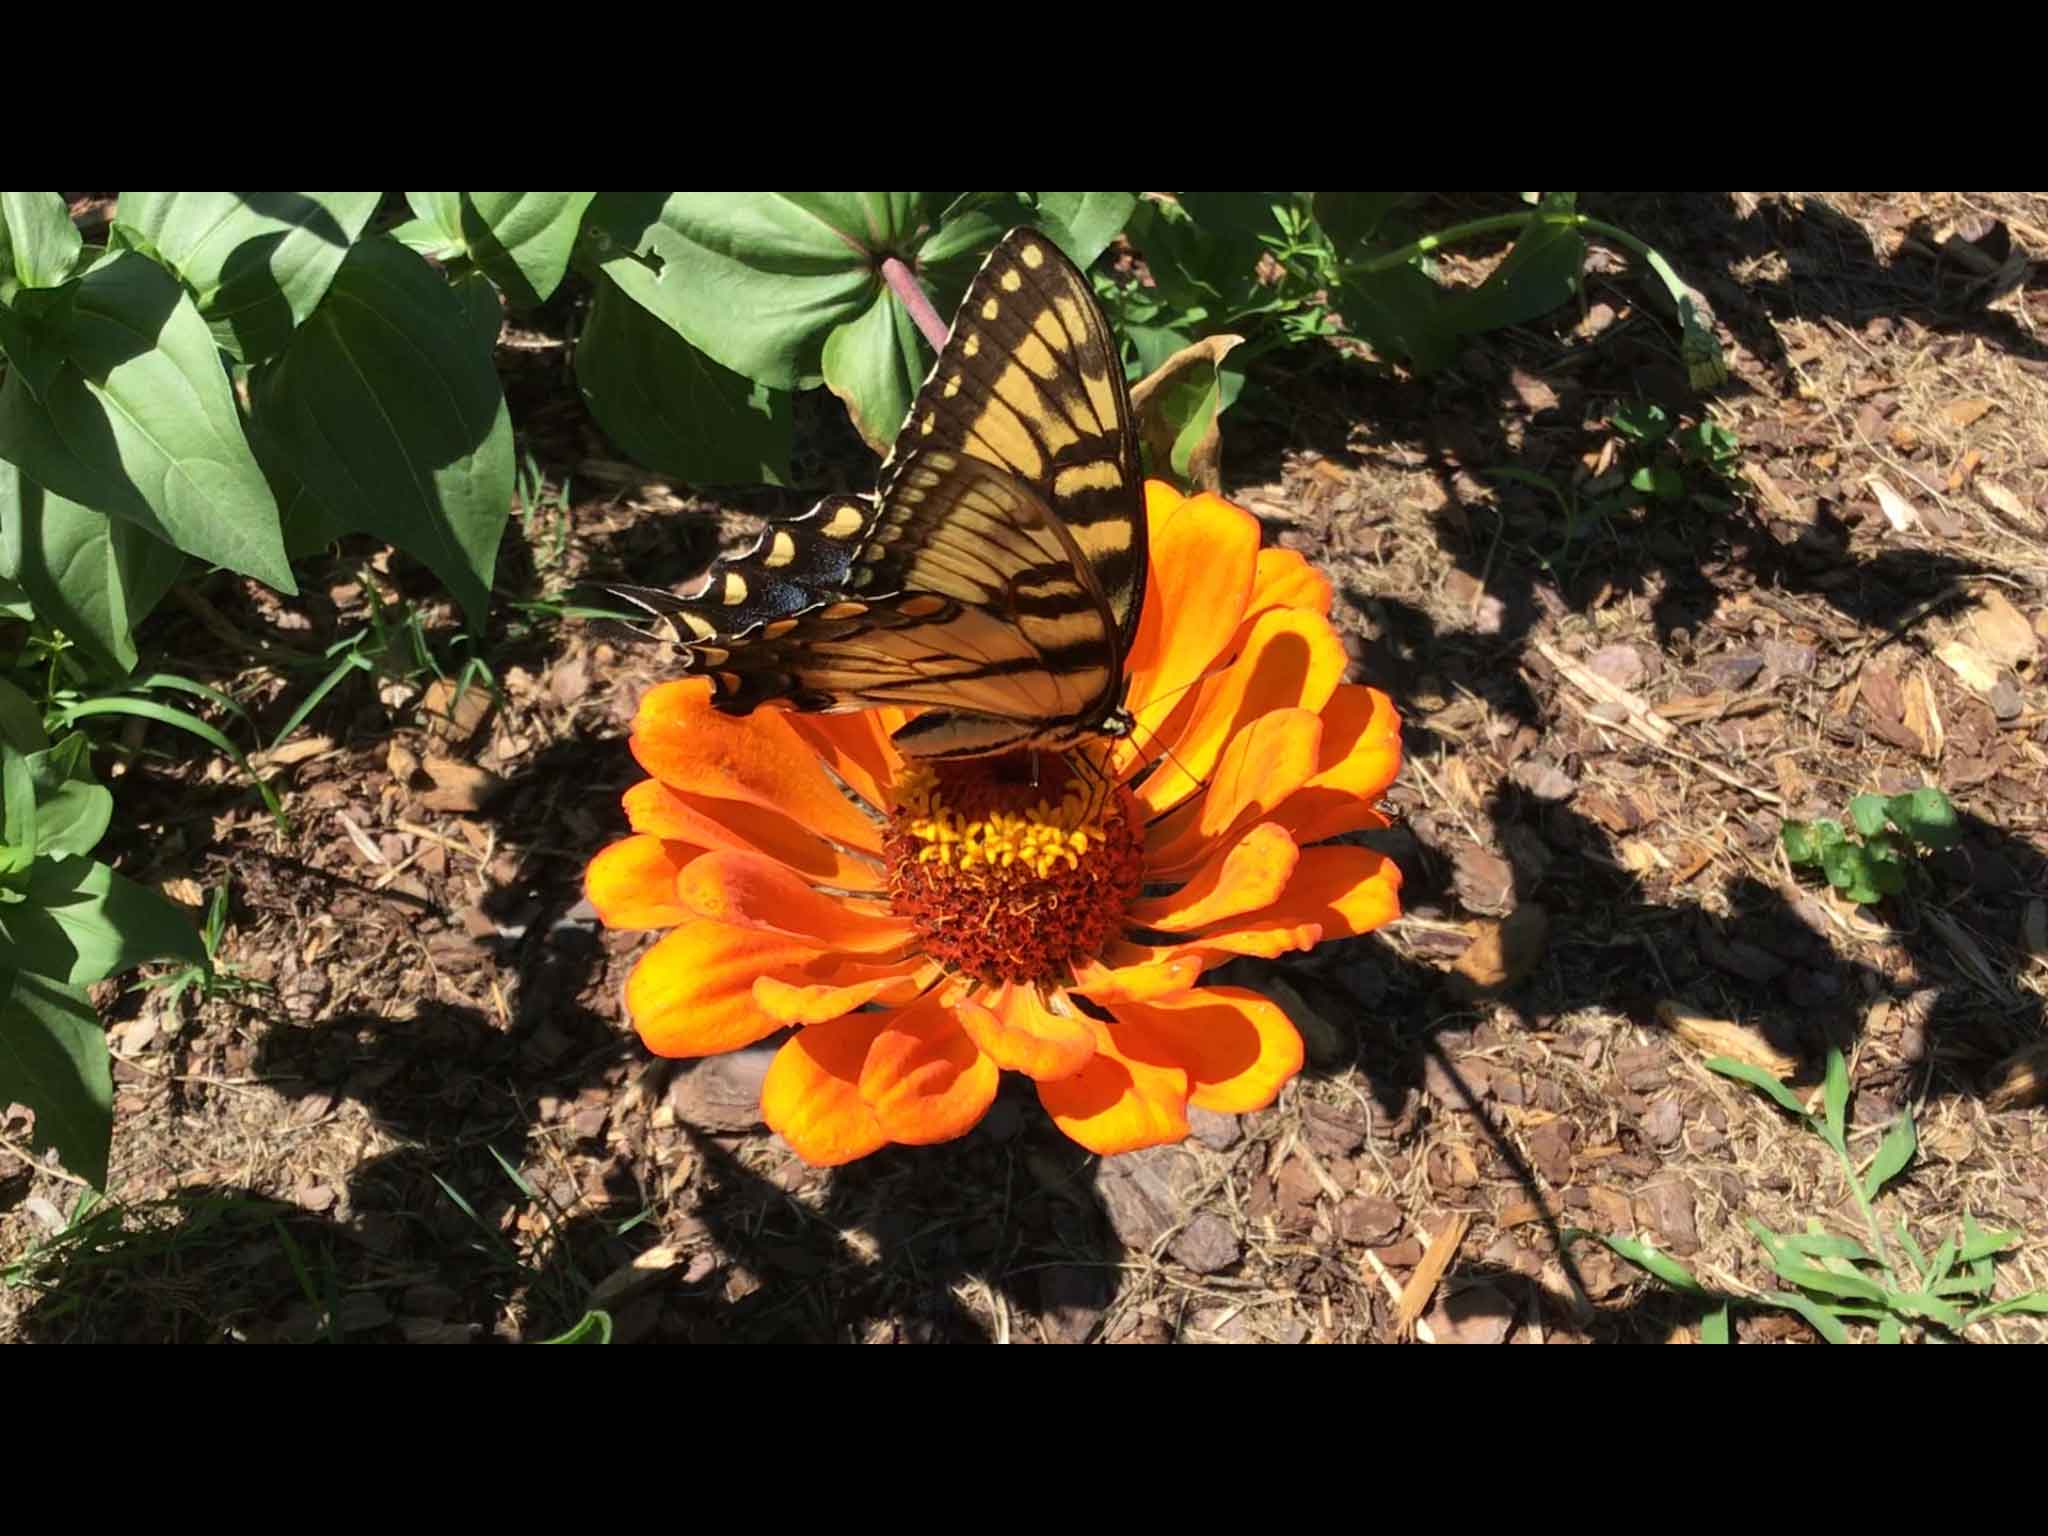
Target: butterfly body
pixel 995 579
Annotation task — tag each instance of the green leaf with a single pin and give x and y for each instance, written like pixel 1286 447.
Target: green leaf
pixel 1660 481
pixel 1926 816
pixel 1848 869
pixel 258 263
pixel 1641 422
pixel 140 422
pixel 1826 1245
pixel 1913 1252
pixel 1539 275
pixel 21 722
pixel 17 811
pixel 1921 1304
pixel 521 240
pixel 39 239
pixel 481 306
pixel 874 363
pixel 1351 217
pixel 673 409
pixel 89 575
pixel 1893 1154
pixel 1868 812
pixel 1835 1097
pixel 1757 1077
pixel 1208 262
pixel 385 401
pixel 1944 1260
pixel 1714 1327
pixel 1083 223
pixel 1644 1255
pixel 2033 1301
pixel 594 1327
pixel 759 280
pixel 1979 1244
pixel 53 1058
pixel 1888 1330
pixel 1398 313
pixel 72 811
pixel 82 922
pixel 1827 833
pixel 1827 1327
pixel 1797 836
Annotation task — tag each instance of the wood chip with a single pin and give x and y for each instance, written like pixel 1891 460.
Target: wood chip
pixel 2003 632
pixel 1965 470
pixel 1502 954
pixel 2022 1081
pixel 458 786
pixel 1978 671
pixel 1780 505
pixel 1999 499
pixel 1592 684
pixel 1923 717
pixel 297 750
pixel 1422 1284
pixel 360 838
pixel 1897 510
pixel 1963 413
pixel 1725 1037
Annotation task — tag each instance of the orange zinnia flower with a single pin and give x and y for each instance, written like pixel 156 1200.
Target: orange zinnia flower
pixel 961 922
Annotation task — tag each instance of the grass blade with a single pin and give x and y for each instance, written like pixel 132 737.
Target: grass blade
pixel 1979 1244
pixel 1644 1256
pixel 1714 1326
pixel 2033 1301
pixel 1757 1077
pixel 1835 1098
pixel 1827 1327
pixel 1900 1143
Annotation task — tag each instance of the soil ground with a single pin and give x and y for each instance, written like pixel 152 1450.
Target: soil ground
pixel 421 1117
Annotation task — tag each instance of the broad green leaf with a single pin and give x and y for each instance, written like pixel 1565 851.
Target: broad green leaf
pixel 1926 816
pixel 309 524
pixel 53 1058
pixel 673 409
pixel 17 811
pixel 82 922
pixel 1829 1328
pixel 1835 1096
pixel 1892 1155
pixel 1868 812
pixel 1846 866
pixel 1350 217
pixel 1714 1327
pixel 874 364
pixel 1156 345
pixel 1083 223
pixel 140 422
pixel 523 239
pixel 90 575
pixel 1827 833
pixel 21 723
pixel 1539 275
pixel 257 262
pixel 40 241
pixel 1797 837
pixel 1208 263
pixel 758 280
pixel 72 811
pixel 385 402
pixel 481 306
pixel 1641 422
pixel 1660 481
pixel 441 214
pixel 1888 1331
pixel 1644 1255
pixel 1979 1244
pixel 1398 313
pixel 1757 1077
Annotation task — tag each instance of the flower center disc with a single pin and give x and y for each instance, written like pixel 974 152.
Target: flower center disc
pixel 1006 880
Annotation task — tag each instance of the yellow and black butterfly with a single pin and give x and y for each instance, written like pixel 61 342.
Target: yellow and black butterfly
pixel 996 577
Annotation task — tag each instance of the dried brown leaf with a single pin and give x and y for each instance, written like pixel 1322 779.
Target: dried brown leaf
pixel 1158 431
pixel 1725 1037
pixel 2003 632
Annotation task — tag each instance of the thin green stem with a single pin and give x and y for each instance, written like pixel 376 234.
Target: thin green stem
pixel 1877 1243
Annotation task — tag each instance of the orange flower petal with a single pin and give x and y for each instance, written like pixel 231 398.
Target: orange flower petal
pixel 1119 1102
pixel 693 993
pixel 633 883
pixel 798 1003
pixel 758 760
pixel 1136 972
pixel 1238 1048
pixel 811 1095
pixel 1015 1029
pixel 748 890
pixel 1260 768
pixel 924 1079
pixel 1337 891
pixel 1290 659
pixel 1251 874
pixel 651 806
pixel 856 746
pixel 1361 754
pixel 1204 556
pixel 1286 580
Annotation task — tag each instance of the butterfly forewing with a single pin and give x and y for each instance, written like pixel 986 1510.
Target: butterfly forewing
pixel 997 578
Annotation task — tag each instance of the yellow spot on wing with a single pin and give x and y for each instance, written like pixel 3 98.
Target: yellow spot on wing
pixel 845 523
pixel 1032 256
pixel 970 346
pixel 699 629
pixel 735 589
pixel 782 550
pixel 1010 282
pixel 1102 475
pixel 843 611
pixel 990 310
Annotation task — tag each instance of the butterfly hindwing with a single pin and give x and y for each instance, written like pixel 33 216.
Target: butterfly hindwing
pixel 995 581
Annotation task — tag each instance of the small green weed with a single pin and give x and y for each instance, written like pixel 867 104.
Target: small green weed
pixel 1836 1281
pixel 213 977
pixel 1878 862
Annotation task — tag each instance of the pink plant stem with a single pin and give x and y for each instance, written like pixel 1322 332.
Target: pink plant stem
pixel 910 293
